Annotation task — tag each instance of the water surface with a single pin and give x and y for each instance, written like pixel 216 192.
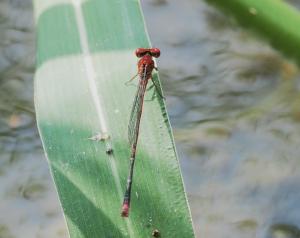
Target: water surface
pixel 234 104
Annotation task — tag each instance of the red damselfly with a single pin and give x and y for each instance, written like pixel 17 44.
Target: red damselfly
pixel 145 68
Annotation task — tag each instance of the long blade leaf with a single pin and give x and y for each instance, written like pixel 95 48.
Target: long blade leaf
pixel 85 55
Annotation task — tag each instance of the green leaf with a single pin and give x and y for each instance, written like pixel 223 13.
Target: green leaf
pixel 274 19
pixel 85 55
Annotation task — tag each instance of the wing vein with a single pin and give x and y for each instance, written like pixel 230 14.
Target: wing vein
pixel 136 111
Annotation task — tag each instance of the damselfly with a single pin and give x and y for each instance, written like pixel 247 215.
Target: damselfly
pixel 145 68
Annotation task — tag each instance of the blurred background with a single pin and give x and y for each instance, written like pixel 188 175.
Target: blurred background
pixel 234 105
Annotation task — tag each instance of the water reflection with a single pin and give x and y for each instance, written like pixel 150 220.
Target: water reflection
pixel 234 106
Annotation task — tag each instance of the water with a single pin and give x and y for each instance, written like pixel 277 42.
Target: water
pixel 29 205
pixel 234 106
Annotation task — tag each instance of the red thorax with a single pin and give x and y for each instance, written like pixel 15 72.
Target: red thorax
pixel 145 66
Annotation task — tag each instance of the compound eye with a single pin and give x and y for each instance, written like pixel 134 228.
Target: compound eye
pixel 155 52
pixel 140 52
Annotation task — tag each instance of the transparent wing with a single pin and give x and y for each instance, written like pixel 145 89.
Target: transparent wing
pixel 136 111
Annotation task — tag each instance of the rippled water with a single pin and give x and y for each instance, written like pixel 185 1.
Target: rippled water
pixel 28 202
pixel 234 104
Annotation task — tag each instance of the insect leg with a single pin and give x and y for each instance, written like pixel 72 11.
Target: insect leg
pixel 132 78
pixel 157 89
